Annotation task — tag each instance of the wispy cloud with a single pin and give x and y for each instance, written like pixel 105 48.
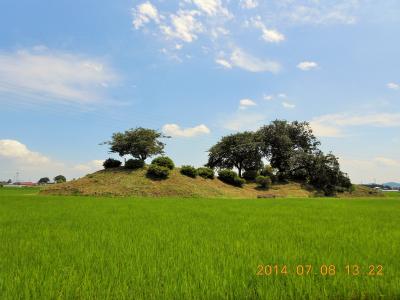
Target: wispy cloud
pixel 393 86
pixel 176 131
pixel 245 103
pixel 269 35
pixel 307 65
pixel 288 105
pixel 54 76
pixel 332 125
pixel 250 63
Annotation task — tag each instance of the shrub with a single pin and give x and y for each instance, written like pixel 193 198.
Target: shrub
pixel 133 164
pixel 111 163
pixel 239 182
pixel 250 175
pixel 267 171
pixel 189 171
pixel 264 182
pixel 230 177
pixel 158 172
pixel 163 161
pixel 206 173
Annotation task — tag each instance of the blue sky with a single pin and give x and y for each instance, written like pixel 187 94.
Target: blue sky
pixel 72 73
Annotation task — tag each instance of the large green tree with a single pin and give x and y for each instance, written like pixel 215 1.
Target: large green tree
pixel 281 140
pixel 141 143
pixel 240 150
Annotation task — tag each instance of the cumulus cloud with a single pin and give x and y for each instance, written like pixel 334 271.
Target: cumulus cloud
pixel 332 125
pixel 16 156
pixel 245 103
pixel 54 76
pixel 288 105
pixel 307 65
pixel 184 26
pixel 176 131
pixel 250 63
pixel 15 150
pixel 144 13
pixel 249 4
pixel 393 86
pixel 211 7
pixel 269 35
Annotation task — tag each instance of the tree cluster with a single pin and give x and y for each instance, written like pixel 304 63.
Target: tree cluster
pixel 289 147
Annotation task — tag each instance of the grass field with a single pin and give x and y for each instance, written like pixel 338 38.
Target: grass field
pixel 66 247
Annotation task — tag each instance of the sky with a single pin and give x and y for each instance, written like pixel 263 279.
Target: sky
pixel 74 72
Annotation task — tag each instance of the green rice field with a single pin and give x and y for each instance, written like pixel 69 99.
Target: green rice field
pixel 56 247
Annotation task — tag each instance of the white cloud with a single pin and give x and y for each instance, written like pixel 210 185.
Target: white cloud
pixel 288 105
pixel 249 4
pixel 269 35
pixel 253 64
pixel 176 131
pixel 89 167
pixel 54 76
pixel 15 150
pixel 243 121
pixel 307 65
pixel 211 7
pixel 31 165
pixel 314 12
pixel 368 170
pixel 282 95
pixel 244 103
pixel 268 97
pixel 332 125
pixel 393 86
pixel 185 26
pixel 144 13
pixel 226 64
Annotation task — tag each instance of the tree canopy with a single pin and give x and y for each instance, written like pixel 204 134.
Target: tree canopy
pixel 60 179
pixel 140 143
pixel 240 150
pixel 290 148
pixel 44 180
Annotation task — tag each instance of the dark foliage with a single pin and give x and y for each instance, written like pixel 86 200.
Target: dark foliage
pixel 158 172
pixel 264 182
pixel 206 173
pixel 164 161
pixel 189 171
pixel 111 163
pixel 134 164
pixel 230 177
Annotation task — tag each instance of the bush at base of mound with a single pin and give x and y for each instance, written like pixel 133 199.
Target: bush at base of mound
pixel 164 161
pixel 250 175
pixel 230 177
pixel 264 182
pixel 206 173
pixel 189 171
pixel 111 163
pixel 157 172
pixel 134 164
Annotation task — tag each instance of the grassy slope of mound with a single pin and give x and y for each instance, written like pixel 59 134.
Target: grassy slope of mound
pixel 135 183
pixel 121 182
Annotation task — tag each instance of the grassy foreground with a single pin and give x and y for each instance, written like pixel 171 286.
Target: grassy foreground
pixel 65 247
